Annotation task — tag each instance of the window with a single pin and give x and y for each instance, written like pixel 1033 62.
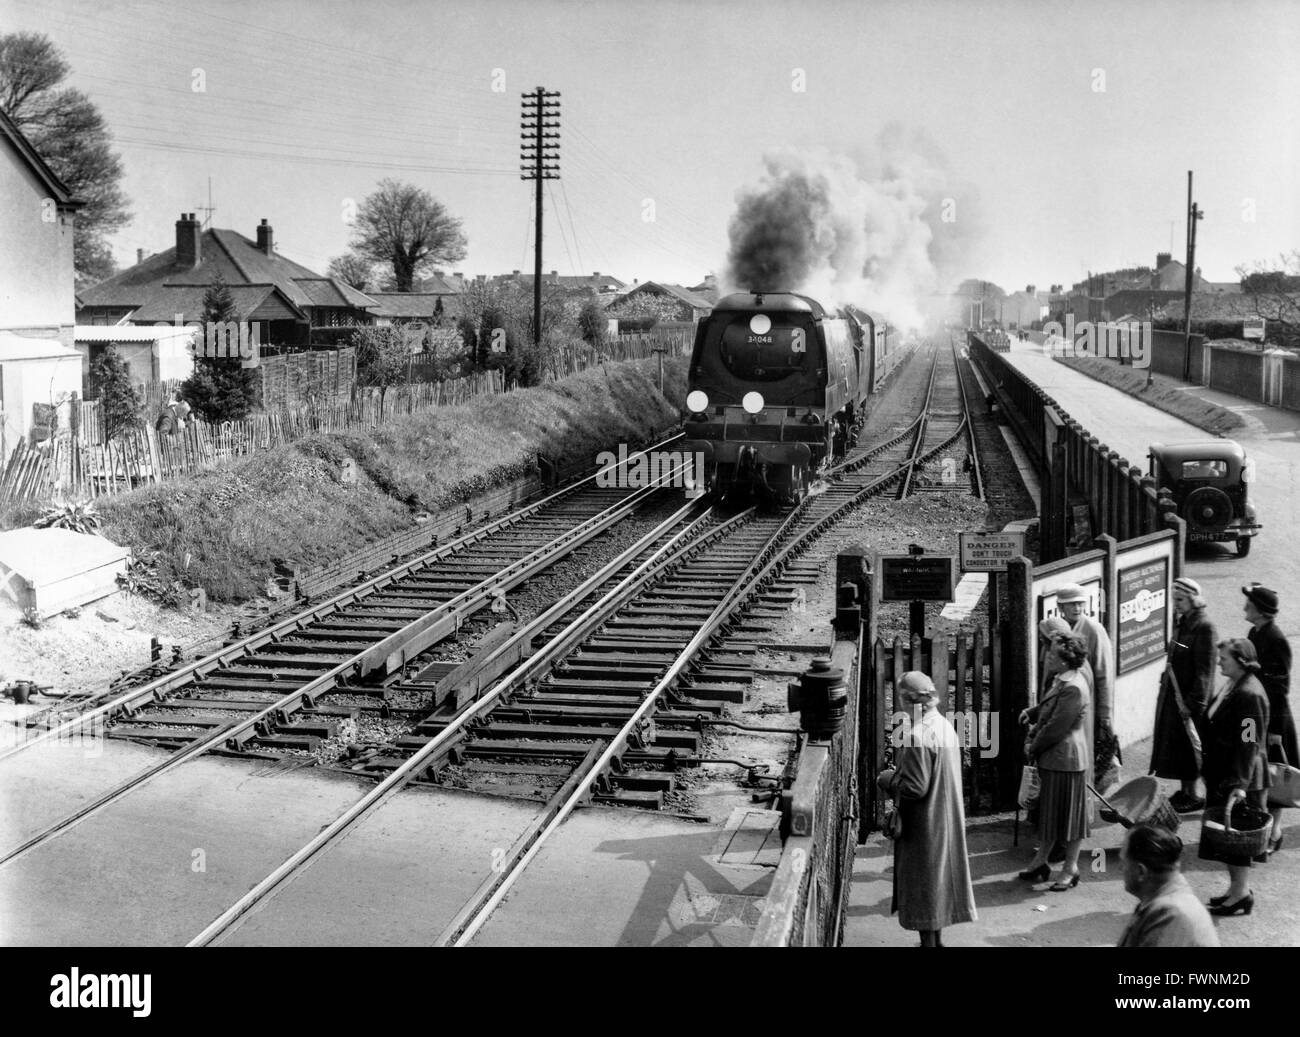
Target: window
pixel 1204 469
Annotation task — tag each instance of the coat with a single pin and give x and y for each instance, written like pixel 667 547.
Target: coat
pixel 932 885
pixel 1233 734
pixel 1102 661
pixel 1059 741
pixel 1191 657
pixel 1172 917
pixel 1274 653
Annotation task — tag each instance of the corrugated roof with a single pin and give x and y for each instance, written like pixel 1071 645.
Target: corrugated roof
pixel 128 332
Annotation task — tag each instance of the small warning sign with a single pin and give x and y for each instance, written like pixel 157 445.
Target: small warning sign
pixel 989 552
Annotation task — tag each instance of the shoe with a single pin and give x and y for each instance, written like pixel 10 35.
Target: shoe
pixel 1273 846
pixel 1242 907
pixel 1040 874
pixel 1185 804
pixel 1216 901
pixel 1064 887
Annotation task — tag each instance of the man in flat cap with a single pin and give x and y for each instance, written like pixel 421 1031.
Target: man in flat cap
pixel 1186 686
pixel 1072 600
pixel 1275 674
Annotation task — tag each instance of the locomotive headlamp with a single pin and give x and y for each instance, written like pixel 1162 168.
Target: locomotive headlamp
pixel 752 402
pixel 697 400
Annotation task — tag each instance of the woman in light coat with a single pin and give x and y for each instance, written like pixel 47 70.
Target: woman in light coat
pixel 1058 744
pixel 932 886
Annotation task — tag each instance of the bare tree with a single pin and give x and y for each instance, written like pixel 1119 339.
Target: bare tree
pixel 353 270
pixel 1275 294
pixel 70 134
pixel 407 229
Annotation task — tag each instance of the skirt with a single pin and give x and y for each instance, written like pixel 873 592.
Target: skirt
pixel 1062 806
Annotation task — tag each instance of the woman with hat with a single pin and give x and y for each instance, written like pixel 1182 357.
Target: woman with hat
pixel 1185 688
pixel 1236 764
pixel 1058 744
pixel 1274 654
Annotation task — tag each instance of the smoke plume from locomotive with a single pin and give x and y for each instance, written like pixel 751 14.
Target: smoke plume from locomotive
pixel 843 232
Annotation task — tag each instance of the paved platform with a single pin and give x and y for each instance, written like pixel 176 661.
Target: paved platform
pixel 1012 913
pixel 1128 425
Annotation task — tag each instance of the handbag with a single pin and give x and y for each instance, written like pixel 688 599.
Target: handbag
pixel 893 824
pixel 1029 786
pixel 1285 790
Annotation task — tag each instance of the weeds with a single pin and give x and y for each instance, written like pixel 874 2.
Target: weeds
pixel 80 518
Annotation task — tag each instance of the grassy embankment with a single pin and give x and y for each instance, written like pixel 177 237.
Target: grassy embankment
pixel 1164 394
pixel 225 529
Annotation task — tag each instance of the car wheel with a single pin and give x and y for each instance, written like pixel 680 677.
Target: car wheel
pixel 1243 546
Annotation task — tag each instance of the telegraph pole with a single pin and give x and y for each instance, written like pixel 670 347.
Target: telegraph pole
pixel 1194 213
pixel 539 160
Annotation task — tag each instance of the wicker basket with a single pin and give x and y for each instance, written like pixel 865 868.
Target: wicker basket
pixel 1247 837
pixel 1139 802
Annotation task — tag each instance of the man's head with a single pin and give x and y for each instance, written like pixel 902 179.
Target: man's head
pixel 1150 855
pixel 1072 600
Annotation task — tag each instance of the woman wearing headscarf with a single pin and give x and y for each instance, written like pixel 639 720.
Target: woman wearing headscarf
pixel 1236 764
pixel 1274 654
pixel 1185 687
pixel 1058 744
pixel 932 886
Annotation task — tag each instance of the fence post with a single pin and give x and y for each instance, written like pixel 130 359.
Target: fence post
pixel 1015 692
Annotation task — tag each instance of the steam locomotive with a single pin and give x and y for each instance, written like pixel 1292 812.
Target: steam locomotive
pixel 778 386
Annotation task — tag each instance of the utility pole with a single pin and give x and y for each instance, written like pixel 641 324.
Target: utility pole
pixel 539 160
pixel 1194 213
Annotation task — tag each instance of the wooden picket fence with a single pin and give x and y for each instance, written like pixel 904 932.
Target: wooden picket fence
pixel 78 466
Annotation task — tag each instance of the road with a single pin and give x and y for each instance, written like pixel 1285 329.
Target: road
pixel 1272 438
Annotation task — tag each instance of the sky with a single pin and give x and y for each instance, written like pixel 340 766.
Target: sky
pixel 1060 134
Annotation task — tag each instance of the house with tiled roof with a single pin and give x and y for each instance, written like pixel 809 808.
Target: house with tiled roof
pixel 690 306
pixel 416 307
pixel 285 298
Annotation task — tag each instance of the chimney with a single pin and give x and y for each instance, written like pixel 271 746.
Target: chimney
pixel 1029 289
pixel 555 273
pixel 139 256
pixel 1162 260
pixel 514 273
pixel 264 238
pixel 187 241
pixel 595 273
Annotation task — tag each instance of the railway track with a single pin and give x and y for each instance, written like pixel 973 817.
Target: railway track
pixel 626 674
pixel 603 697
pixel 269 692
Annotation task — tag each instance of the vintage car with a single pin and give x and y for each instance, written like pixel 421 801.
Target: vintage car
pixel 1208 481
